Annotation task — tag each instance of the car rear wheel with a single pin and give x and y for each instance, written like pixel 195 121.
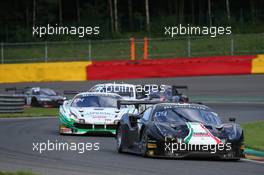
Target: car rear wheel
pixel 119 139
pixel 60 130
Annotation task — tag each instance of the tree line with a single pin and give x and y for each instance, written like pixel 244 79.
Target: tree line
pixel 121 18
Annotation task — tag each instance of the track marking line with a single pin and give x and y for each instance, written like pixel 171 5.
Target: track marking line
pixel 253 161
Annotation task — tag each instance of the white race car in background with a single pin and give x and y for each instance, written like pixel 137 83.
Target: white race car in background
pixel 91 112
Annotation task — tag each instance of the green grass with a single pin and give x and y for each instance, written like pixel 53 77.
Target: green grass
pixel 254 135
pixel 33 112
pixel 120 49
pixel 16 173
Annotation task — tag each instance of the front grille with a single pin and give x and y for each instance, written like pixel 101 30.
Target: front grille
pixel 83 126
pixel 111 126
pixel 99 126
pixel 91 126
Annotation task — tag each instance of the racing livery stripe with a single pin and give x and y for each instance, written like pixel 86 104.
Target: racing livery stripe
pixel 210 134
pixel 189 136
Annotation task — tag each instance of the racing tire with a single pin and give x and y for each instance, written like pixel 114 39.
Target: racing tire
pixel 119 140
pixel 144 142
pixel 60 130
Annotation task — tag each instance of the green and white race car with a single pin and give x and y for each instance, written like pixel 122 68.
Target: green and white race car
pixel 91 112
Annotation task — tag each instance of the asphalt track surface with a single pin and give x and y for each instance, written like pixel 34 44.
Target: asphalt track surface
pixel 245 85
pixel 18 135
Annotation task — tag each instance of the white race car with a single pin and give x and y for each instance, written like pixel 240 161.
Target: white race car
pixel 91 112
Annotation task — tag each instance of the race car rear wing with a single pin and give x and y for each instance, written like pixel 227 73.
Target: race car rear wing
pixel 179 87
pixel 175 89
pixel 136 103
pixel 173 86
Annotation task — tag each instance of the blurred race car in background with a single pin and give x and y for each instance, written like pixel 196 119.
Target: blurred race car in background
pixel 178 130
pixel 39 97
pixel 168 93
pixel 91 112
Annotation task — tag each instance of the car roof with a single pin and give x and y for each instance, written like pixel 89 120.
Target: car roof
pixel 98 94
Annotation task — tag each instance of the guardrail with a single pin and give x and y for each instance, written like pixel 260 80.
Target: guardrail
pixel 11 103
pixel 120 49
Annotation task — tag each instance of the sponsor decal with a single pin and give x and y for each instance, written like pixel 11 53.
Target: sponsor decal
pixel 199 139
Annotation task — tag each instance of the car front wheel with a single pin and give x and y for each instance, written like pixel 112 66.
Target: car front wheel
pixel 119 140
pixel 144 142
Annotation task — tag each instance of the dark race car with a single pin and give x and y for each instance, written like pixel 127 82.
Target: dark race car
pixel 39 97
pixel 178 130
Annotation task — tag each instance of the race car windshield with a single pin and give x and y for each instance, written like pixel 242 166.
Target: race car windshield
pixel 177 115
pixel 95 101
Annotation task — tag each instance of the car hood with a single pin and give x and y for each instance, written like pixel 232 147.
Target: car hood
pixel 96 115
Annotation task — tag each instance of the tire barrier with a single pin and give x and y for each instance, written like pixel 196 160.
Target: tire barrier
pixel 258 64
pixel 147 68
pixel 221 65
pixel 11 103
pixel 37 72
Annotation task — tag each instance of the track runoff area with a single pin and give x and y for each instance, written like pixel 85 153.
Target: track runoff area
pixel 18 136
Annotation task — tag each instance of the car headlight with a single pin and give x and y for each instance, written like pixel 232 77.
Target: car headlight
pixel 82 121
pixel 115 122
pixel 72 115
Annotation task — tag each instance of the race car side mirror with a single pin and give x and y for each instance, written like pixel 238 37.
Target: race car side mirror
pixel 232 119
